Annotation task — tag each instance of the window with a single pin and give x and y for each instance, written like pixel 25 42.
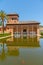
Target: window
pixel 7 28
pixel 8 21
pixel 14 18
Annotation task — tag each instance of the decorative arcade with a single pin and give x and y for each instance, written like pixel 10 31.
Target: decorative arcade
pixel 22 28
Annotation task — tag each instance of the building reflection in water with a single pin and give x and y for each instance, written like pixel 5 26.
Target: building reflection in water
pixel 10 46
pixel 24 41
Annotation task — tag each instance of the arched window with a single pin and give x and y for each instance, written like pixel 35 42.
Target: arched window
pixel 24 31
pixel 14 18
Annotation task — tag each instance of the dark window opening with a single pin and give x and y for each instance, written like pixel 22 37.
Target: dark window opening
pixel 14 18
pixel 7 28
pixel 25 31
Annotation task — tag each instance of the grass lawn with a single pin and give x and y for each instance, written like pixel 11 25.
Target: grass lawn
pixel 5 34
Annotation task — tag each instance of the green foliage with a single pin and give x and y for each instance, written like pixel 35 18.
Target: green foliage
pixel 3 16
pixel 5 34
pixel 41 33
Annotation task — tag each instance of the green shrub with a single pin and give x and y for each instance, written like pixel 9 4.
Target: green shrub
pixel 5 34
pixel 41 33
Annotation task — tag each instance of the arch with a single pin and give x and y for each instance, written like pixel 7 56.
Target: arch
pixel 25 31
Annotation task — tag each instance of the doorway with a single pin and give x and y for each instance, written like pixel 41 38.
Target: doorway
pixel 24 31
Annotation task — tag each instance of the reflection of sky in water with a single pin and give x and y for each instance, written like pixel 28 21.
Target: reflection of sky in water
pixel 24 55
pixel 41 42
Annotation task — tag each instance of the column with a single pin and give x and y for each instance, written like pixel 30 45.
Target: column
pixel 21 31
pixel 38 30
pixel 17 30
pixel 27 30
pixel 12 32
pixel 32 30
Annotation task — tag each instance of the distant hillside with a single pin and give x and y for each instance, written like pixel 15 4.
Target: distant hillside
pixel 41 25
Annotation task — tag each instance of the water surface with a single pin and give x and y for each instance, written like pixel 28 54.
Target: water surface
pixel 21 51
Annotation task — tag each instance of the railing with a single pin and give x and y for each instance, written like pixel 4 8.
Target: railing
pixel 19 34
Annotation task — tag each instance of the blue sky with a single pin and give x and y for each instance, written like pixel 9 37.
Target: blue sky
pixel 27 9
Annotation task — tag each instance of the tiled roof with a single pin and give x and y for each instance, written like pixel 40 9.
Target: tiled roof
pixel 25 22
pixel 14 14
pixel 29 22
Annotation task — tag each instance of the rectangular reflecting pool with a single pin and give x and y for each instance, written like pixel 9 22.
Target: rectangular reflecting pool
pixel 21 51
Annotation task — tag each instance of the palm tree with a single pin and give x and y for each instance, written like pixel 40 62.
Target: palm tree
pixel 2 18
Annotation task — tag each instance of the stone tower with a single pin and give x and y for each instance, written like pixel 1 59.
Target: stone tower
pixel 12 18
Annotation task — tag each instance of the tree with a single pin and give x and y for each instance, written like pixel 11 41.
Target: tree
pixel 3 16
